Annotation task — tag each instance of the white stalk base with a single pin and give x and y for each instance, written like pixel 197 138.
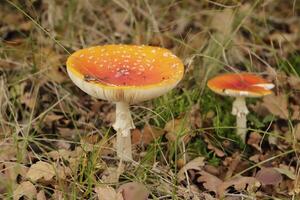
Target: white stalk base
pixel 240 109
pixel 123 125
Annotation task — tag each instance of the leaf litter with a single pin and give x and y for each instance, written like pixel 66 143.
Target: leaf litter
pixel 55 145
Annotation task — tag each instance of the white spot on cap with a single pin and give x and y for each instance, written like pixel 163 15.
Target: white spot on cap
pixel 166 54
pixel 174 65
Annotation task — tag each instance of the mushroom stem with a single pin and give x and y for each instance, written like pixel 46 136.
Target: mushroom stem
pixel 240 109
pixel 123 125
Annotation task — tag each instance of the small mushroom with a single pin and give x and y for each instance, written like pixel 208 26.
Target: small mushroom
pixel 240 86
pixel 124 74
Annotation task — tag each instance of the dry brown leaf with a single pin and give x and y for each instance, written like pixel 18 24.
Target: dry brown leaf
pixel 40 170
pixel 50 118
pixel 235 160
pixel 8 150
pixel 63 144
pixel 268 176
pixel 63 172
pixel 41 195
pixel 297 131
pixel 206 196
pixel 254 140
pixel 29 94
pixel 178 129
pixel 25 189
pixel 11 170
pixel 295 111
pixel 61 153
pixel 133 190
pixel 210 146
pixel 195 164
pixel 286 170
pixel 294 82
pixel 50 61
pixel 195 116
pixel 210 182
pixel 66 132
pixel 147 135
pixel 112 174
pixel 192 192
pixel 119 21
pixel 219 187
pixel 239 184
pixel 222 21
pixel 277 105
pixel 58 193
pixel 107 193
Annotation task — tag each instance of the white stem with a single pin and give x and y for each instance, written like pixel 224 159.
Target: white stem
pixel 240 109
pixel 123 125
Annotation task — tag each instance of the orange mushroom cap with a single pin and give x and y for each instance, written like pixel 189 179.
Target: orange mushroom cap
pixel 243 84
pixel 116 72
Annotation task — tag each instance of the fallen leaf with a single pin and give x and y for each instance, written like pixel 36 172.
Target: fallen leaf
pixel 133 190
pixel 61 153
pixel 192 192
pixel 210 146
pixel 11 171
pixel 285 170
pixel 41 195
pixel 282 37
pixel 178 129
pixel 147 135
pixel 29 96
pixel 222 22
pixel 295 109
pixel 50 118
pixel 195 164
pixel 268 176
pixel 235 160
pixel 255 140
pixel 294 82
pixel 119 20
pixel 66 132
pixel 40 170
pixel 25 189
pixel 8 150
pixel 297 131
pixel 277 105
pixel 50 62
pixel 195 116
pixel 62 172
pixel 112 174
pixel 210 182
pixel 107 193
pixel 239 184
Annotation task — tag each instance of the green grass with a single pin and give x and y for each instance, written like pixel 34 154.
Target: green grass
pixel 32 93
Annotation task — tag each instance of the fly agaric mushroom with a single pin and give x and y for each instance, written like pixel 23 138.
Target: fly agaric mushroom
pixel 124 74
pixel 240 86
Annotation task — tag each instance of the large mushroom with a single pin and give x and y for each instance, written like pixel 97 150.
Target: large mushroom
pixel 240 86
pixel 124 74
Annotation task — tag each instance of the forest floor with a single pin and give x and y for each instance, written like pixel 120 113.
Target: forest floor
pixel 56 142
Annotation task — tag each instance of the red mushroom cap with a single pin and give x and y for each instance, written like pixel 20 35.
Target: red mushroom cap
pixel 243 84
pixel 125 72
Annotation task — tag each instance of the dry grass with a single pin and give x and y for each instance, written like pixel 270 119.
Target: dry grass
pixel 43 112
